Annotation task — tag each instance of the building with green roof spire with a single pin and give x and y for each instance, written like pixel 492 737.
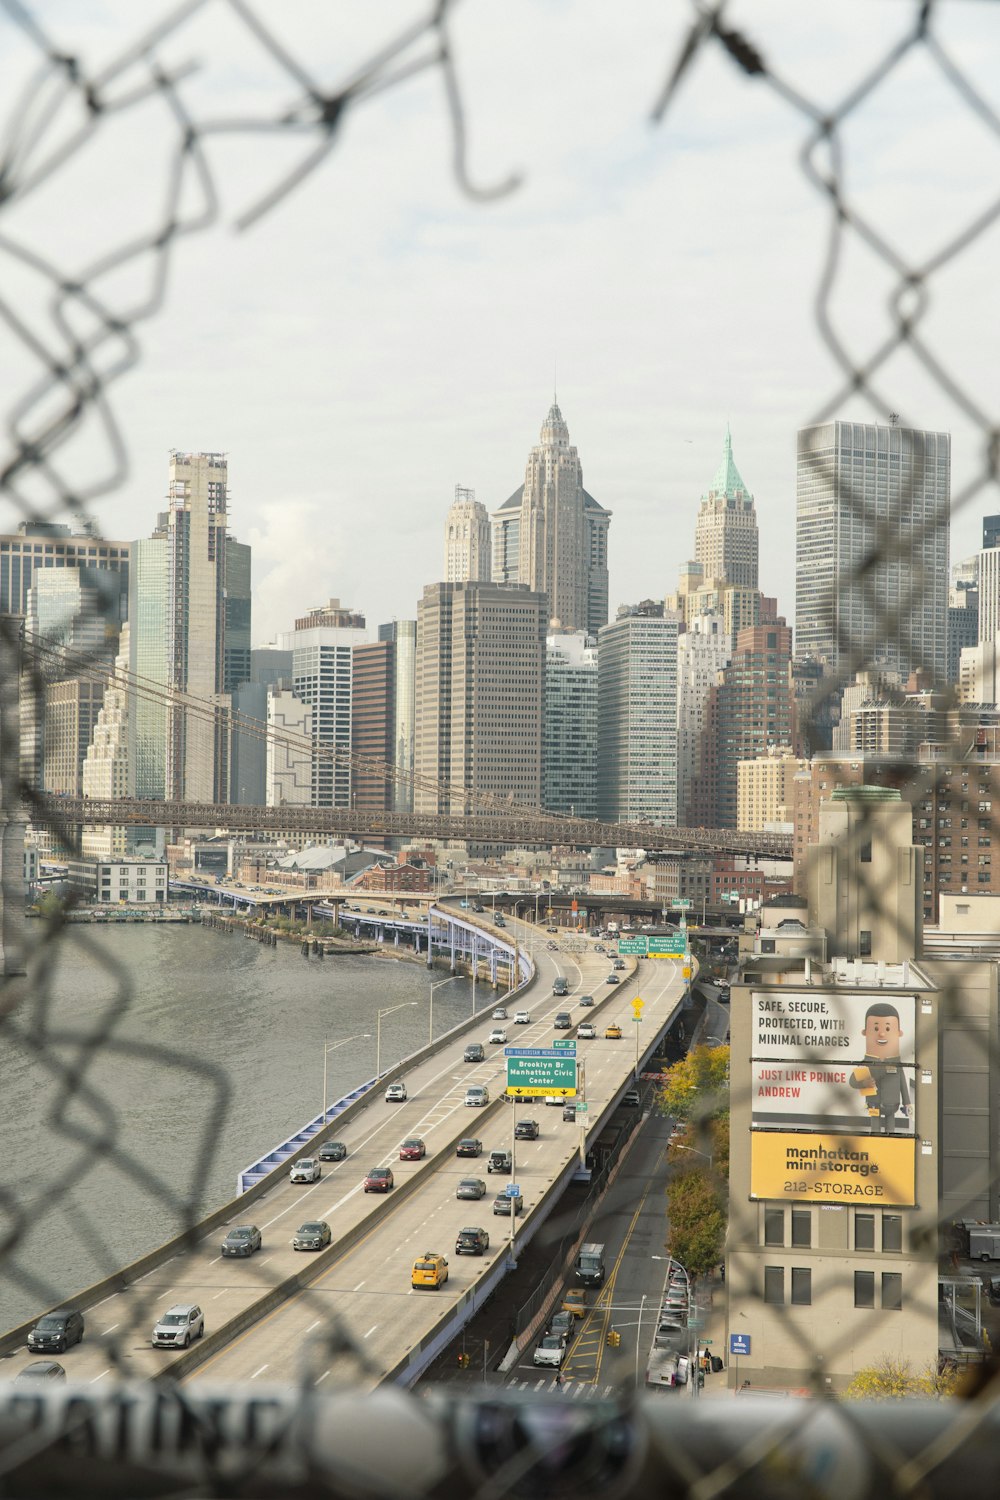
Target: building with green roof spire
pixel 725 537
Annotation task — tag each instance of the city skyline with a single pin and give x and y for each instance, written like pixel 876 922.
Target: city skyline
pixel 609 262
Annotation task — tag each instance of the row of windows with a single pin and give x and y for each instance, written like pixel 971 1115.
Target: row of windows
pixel 799 1288
pixel 865 1225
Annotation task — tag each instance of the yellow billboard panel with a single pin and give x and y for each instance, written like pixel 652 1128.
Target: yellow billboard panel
pixel 813 1168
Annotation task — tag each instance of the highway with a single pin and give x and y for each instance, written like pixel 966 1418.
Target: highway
pixel 361 1316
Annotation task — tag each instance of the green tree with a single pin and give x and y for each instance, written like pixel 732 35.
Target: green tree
pixel 697 1085
pixel 697 1220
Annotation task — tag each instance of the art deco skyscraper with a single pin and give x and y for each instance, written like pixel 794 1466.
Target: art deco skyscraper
pixel 871 548
pixel 553 536
pixel 725 536
pixel 467 540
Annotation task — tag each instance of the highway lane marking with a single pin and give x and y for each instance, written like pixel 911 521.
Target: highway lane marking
pixel 109 1330
pixel 215 1295
pixel 321 1377
pixel 96 1378
pixel 314 1325
pixel 371 1330
pixel 258 1372
pixel 375 1227
pixel 358 1287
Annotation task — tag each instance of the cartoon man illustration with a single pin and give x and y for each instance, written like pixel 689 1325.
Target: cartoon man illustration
pixel 880 1078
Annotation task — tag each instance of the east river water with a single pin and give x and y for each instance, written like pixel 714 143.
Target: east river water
pixel 153 1062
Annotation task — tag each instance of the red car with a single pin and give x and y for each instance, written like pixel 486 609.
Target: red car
pixel 379 1180
pixel 412 1150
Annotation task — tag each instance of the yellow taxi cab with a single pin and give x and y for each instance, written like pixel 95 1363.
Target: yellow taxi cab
pixel 574 1302
pixel 430 1270
pixel 613 1033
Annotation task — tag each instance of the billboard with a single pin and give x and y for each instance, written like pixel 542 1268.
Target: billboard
pixel 832 1097
pixel 833 1061
pixel 810 1168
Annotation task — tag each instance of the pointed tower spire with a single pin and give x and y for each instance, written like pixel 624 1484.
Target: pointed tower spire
pixel 728 481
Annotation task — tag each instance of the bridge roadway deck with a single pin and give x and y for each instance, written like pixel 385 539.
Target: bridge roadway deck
pixel 365 1300
pixel 367 1290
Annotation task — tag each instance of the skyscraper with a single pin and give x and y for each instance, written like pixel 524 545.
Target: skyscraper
pixel 403 635
pixel 637 728
pixel 703 649
pixel 322 646
pixel 105 766
pixel 38 546
pixel 552 536
pixel 480 656
pixel 871 547
pixel 467 540
pixel 178 610
pixel 725 537
pixel 569 724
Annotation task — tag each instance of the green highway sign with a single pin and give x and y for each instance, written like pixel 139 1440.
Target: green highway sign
pixel 680 905
pixel 633 945
pixel 581 1108
pixel 533 1077
pixel 565 1046
pixel 673 945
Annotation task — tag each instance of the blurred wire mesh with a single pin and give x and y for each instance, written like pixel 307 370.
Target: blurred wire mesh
pixel 90 340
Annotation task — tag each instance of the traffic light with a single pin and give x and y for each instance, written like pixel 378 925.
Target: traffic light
pixel 614 1338
pixel 464 1360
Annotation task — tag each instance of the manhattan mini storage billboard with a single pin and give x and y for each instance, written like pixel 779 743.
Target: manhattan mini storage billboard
pixel 811 1168
pixel 832 1062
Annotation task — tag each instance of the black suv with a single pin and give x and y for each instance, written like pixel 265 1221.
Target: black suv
pixel 243 1240
pixel 563 1021
pixel 472 1242
pixel 475 1052
pixel 56 1331
pixel 526 1130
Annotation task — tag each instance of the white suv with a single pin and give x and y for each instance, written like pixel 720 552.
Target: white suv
pixel 306 1170
pixel 522 1018
pixel 178 1326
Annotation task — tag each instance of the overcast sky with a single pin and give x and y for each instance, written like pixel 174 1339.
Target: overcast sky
pixel 379 337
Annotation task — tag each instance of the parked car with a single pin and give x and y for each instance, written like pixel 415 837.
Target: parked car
pixel 498 1161
pixel 178 1326
pixel 477 1095
pixel 472 1242
pixel 522 1018
pixel 430 1270
pixel 475 1052
pixel 497 1037
pixel 313 1235
pixel 41 1369
pixel 379 1180
pixel 613 1033
pixel 586 1000
pixel 56 1332
pixel 333 1151
pixel 306 1170
pixel 502 1204
pixel 550 1350
pixel 586 1031
pixel 412 1149
pixel 471 1187
pixel 500 1013
pixel 526 1130
pixel 244 1239
pixel 395 1093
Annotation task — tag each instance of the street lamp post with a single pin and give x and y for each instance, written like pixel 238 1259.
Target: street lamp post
pixel 450 980
pixel 378 1032
pixel 695 1152
pixel 328 1047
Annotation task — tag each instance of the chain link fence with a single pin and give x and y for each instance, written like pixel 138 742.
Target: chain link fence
pixel 88 341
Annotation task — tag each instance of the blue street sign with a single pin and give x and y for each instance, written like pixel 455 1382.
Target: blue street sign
pixel 513 1190
pixel 739 1343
